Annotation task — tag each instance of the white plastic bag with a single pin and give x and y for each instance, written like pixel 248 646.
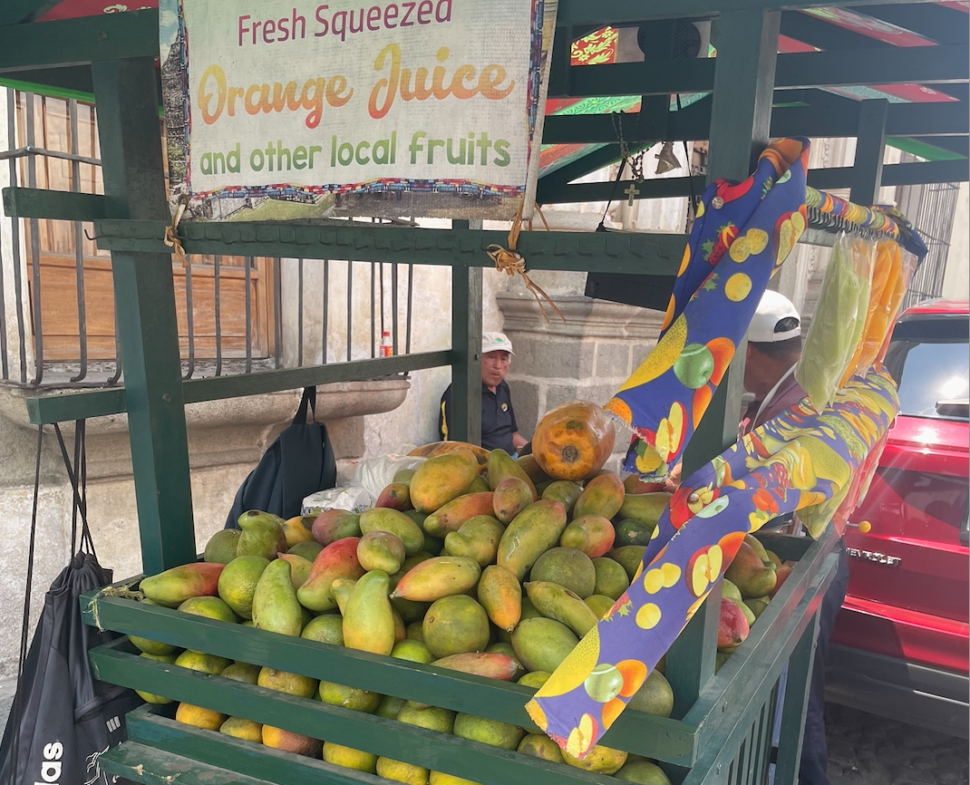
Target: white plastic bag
pixel 350 498
pixel 375 474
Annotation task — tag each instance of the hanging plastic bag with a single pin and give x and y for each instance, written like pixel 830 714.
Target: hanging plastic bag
pixel 909 264
pixel 839 321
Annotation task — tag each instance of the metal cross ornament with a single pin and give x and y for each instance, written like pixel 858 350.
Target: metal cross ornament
pixel 631 193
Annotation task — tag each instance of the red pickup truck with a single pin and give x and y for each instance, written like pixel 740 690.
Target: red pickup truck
pixel 900 645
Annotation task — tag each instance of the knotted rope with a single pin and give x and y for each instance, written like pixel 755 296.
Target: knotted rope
pixel 511 262
pixel 171 238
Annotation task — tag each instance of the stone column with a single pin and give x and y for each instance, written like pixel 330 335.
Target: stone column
pixel 587 357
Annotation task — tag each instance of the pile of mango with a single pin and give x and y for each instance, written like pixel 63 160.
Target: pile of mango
pixel 474 562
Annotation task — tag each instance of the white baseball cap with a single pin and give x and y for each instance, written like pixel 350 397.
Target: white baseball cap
pixel 767 326
pixel 496 342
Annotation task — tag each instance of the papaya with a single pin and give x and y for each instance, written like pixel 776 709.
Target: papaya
pixel 262 535
pixel 449 517
pixel 396 496
pixel 438 577
pixel 512 495
pixel 603 496
pixel 173 587
pixel 380 550
pixel 629 557
pixel 531 467
pixel 573 441
pixel 334 525
pixel 644 507
pixel 555 602
pixel 630 531
pixel 487 665
pixel 591 534
pixel 275 606
pixel 337 560
pixel 299 568
pixel 565 492
pixel 542 644
pixel 297 530
pixel 436 449
pixel 530 534
pixel 368 618
pixel 501 596
pixel 477 539
pixel 501 466
pixel 439 480
pixel 395 522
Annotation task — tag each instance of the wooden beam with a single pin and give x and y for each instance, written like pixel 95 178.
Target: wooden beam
pixel 79 41
pixel 869 152
pixel 628 12
pixel 877 65
pixel 14 12
pixel 694 123
pixel 936 22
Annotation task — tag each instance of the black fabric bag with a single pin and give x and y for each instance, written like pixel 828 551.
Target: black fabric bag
pixel 62 718
pixel 298 463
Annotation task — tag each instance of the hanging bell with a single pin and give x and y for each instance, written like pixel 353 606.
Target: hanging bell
pixel 666 160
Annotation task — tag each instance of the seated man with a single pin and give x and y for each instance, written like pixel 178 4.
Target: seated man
pixel 499 430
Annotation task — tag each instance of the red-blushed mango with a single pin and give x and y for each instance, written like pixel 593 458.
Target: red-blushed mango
pixel 369 623
pixel 438 577
pixel 603 496
pixel 487 665
pixel 449 517
pixel 591 534
pixel 439 480
pixel 173 587
pixel 533 531
pixel 334 525
pixel 298 529
pixel 288 741
pixel 396 496
pixel 565 492
pixel 501 466
pixel 337 560
pixel 500 594
pixel 512 495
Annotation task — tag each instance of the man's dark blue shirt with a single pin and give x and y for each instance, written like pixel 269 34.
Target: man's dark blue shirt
pixel 498 418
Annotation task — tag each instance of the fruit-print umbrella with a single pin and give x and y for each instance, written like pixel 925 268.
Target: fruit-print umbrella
pixel 798 460
pixel 741 235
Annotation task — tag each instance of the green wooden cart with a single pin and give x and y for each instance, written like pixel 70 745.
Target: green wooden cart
pixel 721 730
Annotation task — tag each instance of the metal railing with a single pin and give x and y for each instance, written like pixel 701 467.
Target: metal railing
pixel 222 332
pixel 931 208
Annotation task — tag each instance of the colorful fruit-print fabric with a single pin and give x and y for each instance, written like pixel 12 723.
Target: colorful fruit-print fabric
pixel 798 460
pixel 741 235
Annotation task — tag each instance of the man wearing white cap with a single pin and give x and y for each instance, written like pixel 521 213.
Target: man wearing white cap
pixel 499 429
pixel 774 346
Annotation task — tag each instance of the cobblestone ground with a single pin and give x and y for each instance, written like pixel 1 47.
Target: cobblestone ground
pixel 868 750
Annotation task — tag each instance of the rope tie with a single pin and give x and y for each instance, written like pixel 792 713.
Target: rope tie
pixel 511 262
pixel 171 238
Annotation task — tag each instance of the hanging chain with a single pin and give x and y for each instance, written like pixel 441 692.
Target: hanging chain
pixel 635 162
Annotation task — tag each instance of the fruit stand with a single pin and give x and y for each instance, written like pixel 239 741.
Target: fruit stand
pixel 721 728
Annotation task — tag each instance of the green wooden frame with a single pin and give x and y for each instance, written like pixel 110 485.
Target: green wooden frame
pixel 721 725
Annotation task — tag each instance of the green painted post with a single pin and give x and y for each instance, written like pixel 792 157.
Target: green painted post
pixel 131 153
pixel 466 348
pixel 796 706
pixel 870 151
pixel 744 81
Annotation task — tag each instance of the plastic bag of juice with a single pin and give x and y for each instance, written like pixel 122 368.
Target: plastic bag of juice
pixel 838 322
pixel 908 269
pixel 884 273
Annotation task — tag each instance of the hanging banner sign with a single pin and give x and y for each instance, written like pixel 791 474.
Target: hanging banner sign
pixel 295 110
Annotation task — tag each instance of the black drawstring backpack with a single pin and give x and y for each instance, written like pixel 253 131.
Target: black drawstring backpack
pixel 62 718
pixel 298 463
